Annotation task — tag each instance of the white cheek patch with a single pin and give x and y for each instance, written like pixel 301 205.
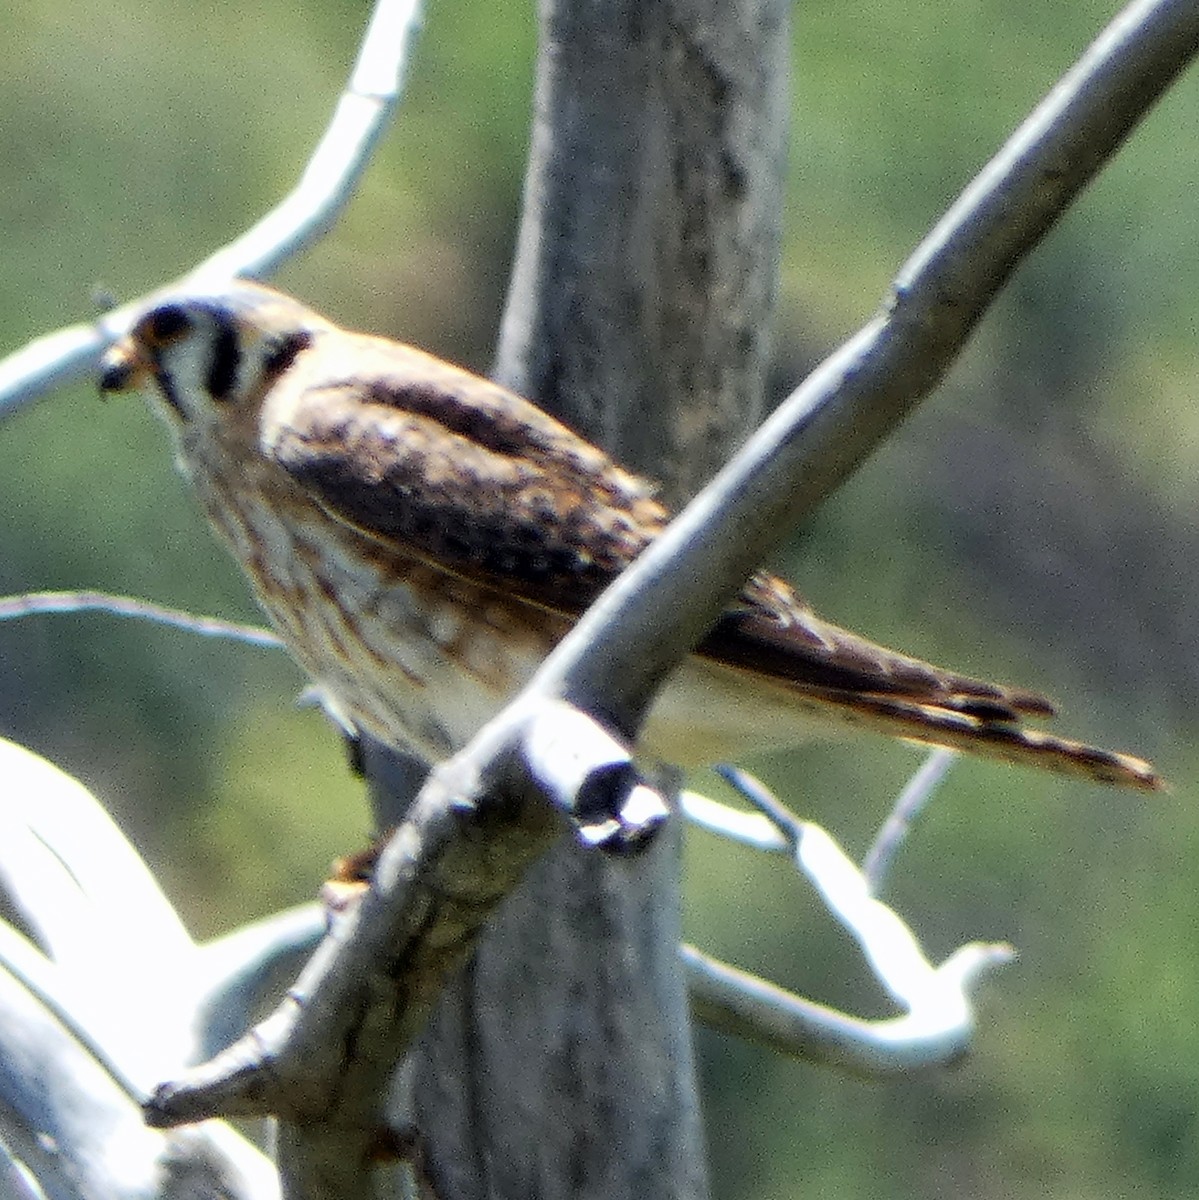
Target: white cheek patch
pixel 199 374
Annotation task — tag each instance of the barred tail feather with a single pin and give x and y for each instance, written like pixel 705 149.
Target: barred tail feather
pixel 1007 741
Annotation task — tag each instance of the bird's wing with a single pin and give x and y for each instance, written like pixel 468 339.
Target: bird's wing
pixel 772 631
pixel 454 469
pixel 464 474
pixel 470 477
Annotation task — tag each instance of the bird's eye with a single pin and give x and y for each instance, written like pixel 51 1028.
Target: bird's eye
pixel 165 324
pixel 280 352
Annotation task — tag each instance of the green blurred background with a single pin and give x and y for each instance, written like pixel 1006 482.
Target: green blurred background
pixel 1032 522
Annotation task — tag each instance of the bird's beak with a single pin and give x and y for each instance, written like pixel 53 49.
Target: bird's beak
pixel 123 367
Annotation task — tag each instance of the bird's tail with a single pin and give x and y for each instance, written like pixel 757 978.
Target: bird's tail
pixel 972 733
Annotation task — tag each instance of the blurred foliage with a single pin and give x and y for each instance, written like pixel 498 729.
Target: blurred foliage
pixel 1033 522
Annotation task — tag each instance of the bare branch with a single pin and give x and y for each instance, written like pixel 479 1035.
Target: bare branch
pixel 750 829
pixel 758 831
pixel 100 1008
pixel 333 171
pixel 30 604
pixel 937 1026
pixel 244 971
pixel 479 822
pixel 936 1033
pixel 908 807
pixel 94 907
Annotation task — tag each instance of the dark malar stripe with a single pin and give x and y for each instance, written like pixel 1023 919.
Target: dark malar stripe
pixel 166 385
pixel 226 359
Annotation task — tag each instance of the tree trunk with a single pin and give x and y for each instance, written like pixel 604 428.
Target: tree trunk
pixel 560 1063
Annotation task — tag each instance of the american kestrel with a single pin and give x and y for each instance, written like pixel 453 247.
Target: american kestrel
pixel 422 537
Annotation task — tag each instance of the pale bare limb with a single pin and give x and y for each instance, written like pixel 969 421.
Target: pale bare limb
pixel 100 1007
pixel 910 804
pixel 938 1023
pixel 30 604
pixel 361 117
pixel 753 829
pixel 750 829
pixel 935 1033
pixel 249 968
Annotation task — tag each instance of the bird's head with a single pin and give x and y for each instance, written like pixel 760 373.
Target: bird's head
pixel 207 353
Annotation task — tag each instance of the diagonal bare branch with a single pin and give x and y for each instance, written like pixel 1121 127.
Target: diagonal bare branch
pixel 617 655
